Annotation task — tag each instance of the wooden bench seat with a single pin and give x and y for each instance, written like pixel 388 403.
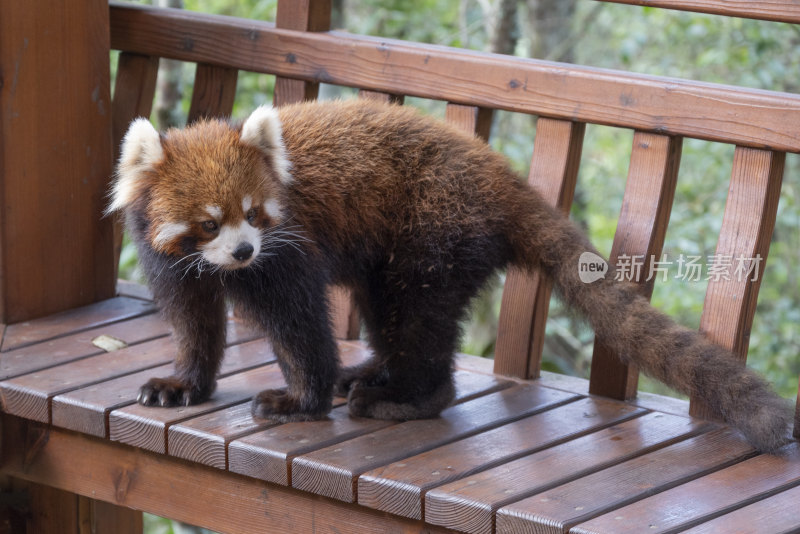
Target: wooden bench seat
pixel 520 450
pixel 524 455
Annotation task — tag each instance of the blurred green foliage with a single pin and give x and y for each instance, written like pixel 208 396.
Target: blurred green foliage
pixel 726 50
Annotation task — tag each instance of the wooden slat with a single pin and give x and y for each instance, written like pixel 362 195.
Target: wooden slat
pixel 205 439
pixel 30 395
pixel 213 92
pixel 774 514
pixel 775 10
pixel 747 225
pixel 86 409
pixel 72 321
pixel 379 96
pixel 400 487
pixel 305 16
pixel 56 250
pixel 663 105
pixel 269 455
pixel 557 510
pixel 40 356
pixel 469 504
pixel 333 471
pixel 646 206
pixel 169 487
pixel 471 119
pixel 526 297
pixel 146 427
pixel 704 498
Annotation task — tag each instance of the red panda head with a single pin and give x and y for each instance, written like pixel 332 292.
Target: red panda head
pixel 208 190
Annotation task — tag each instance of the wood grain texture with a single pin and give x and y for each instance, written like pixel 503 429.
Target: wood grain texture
pixel 213 92
pixel 30 395
pixel 147 427
pixel 773 514
pixel 134 89
pixel 74 320
pixel 775 10
pixel 558 509
pixel 55 141
pixel 304 16
pixel 169 487
pixel 526 297
pixel 58 351
pixel 747 225
pixel 469 504
pixel 400 487
pixel 642 225
pixel 333 471
pixel 87 409
pixel 205 438
pixel 471 119
pixel 268 455
pixel 705 498
pixel 667 106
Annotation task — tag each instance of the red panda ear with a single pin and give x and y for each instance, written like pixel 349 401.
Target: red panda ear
pixel 141 152
pixel 262 130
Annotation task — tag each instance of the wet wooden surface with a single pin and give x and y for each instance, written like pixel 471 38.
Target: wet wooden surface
pixel 508 456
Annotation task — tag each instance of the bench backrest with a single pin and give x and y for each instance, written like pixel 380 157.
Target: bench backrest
pixel 762 125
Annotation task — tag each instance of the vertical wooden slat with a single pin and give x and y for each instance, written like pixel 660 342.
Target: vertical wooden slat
pixel 796 432
pixel 643 220
pixel 134 89
pixel 526 297
pixel 380 97
pixel 471 119
pixel 56 250
pixel 213 92
pixel 301 15
pixel 747 226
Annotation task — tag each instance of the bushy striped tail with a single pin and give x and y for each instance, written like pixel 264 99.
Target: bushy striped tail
pixel 683 359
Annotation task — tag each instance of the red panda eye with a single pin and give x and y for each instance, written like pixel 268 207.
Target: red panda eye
pixel 252 213
pixel 210 226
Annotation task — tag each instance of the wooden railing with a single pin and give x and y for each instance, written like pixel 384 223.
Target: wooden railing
pixel 662 111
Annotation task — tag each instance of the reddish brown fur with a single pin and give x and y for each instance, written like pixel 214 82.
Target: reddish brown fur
pixel 414 216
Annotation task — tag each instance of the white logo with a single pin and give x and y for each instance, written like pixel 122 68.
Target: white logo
pixel 591 267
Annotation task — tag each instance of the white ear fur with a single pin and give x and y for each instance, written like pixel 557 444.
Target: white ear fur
pixel 262 130
pixel 141 151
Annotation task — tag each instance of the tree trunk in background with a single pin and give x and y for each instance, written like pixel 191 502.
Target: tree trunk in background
pixel 504 28
pixel 169 88
pixel 550 27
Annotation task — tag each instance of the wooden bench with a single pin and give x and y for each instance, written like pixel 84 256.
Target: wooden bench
pixel 519 451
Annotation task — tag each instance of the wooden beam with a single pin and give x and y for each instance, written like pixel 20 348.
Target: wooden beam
pixel 56 249
pixel 168 487
pixel 666 106
pixel 775 10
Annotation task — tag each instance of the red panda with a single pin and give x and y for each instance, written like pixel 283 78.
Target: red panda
pixel 413 216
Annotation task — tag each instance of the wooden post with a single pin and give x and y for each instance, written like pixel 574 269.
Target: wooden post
pixel 56 250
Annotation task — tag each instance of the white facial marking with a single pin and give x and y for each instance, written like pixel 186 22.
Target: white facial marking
pixel 219 251
pixel 273 208
pixel 263 130
pixel 167 232
pixel 215 212
pixel 247 203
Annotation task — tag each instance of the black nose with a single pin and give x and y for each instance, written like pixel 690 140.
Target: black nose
pixel 243 251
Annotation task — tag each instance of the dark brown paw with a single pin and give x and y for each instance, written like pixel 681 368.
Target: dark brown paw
pixel 383 402
pixel 365 374
pixel 279 405
pixel 172 391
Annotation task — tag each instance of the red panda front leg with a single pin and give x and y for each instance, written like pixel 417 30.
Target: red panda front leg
pixel 196 310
